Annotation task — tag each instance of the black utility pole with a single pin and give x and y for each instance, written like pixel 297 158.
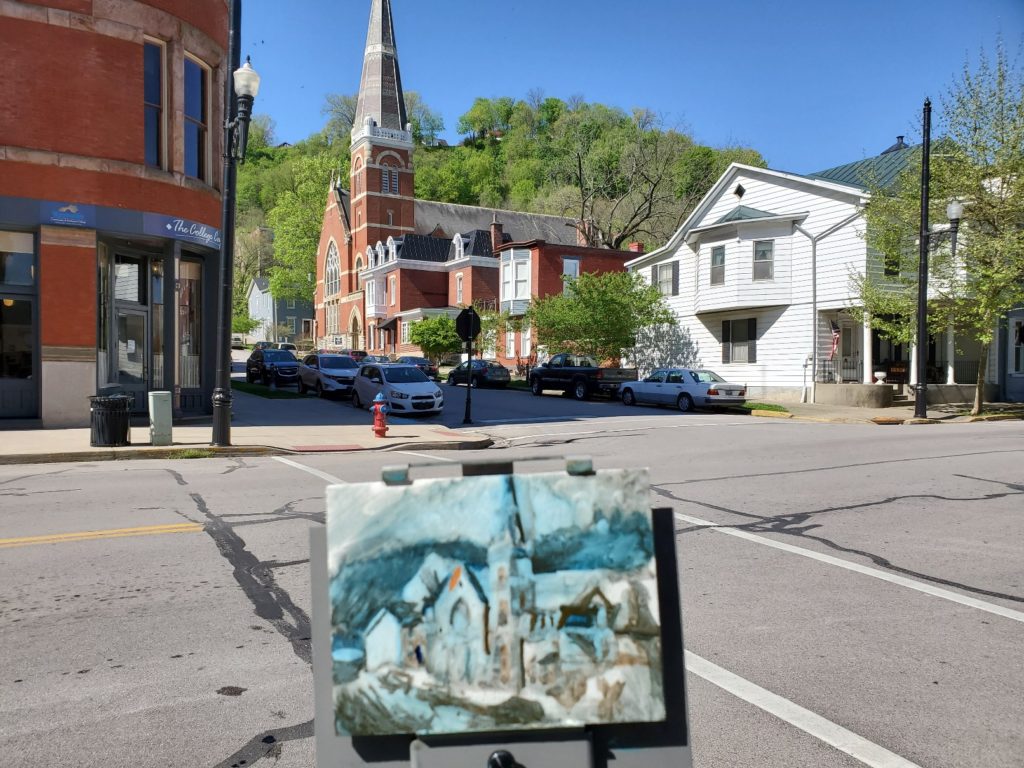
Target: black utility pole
pixel 921 390
pixel 467 417
pixel 222 382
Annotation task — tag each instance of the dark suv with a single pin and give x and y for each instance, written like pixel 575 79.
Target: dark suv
pixel 277 366
pixel 422 363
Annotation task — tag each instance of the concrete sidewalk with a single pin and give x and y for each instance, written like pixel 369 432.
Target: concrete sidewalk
pixel 943 414
pixel 50 445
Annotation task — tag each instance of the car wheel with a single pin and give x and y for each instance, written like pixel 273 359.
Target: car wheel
pixel 319 389
pixel 301 386
pixel 248 376
pixel 579 390
pixel 535 387
pixel 685 403
pixel 451 379
pixel 355 400
pixel 628 398
pixel 474 382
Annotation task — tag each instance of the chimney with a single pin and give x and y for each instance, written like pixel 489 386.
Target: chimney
pixel 636 247
pixel 899 142
pixel 497 236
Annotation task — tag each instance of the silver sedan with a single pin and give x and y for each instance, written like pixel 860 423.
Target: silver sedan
pixel 684 388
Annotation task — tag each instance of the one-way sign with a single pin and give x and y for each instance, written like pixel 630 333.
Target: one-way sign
pixel 467 324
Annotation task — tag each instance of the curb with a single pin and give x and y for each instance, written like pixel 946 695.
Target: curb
pixel 772 414
pixel 128 453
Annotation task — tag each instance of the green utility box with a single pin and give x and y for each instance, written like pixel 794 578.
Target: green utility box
pixel 160 418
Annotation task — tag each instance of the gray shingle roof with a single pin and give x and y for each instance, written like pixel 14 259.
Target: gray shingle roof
pixel 424 248
pixel 451 218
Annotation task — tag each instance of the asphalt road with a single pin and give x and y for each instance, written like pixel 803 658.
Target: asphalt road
pixel 842 585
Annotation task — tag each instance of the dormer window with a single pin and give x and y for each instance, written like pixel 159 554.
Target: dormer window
pixel 371 256
pixel 460 246
pixel 392 249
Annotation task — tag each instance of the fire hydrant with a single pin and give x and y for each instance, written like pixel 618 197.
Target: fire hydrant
pixel 380 415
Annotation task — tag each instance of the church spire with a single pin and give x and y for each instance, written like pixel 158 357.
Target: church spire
pixel 380 89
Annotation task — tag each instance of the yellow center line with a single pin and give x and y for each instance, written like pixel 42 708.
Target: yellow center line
pixel 112 533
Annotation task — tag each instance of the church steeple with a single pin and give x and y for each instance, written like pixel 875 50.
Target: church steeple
pixel 380 88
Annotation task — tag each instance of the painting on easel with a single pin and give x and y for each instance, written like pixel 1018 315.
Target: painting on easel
pixel 498 602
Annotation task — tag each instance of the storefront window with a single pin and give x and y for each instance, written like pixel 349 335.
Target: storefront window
pixel 189 324
pixel 129 279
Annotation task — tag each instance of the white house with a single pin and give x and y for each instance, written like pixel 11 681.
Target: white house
pixel 278 319
pixel 759 277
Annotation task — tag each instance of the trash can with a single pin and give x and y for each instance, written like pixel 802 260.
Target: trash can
pixel 109 416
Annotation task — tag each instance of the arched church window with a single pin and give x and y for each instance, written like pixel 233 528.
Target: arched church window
pixel 333 270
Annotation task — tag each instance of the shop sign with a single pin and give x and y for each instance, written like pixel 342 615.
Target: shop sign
pixel 180 229
pixel 68 214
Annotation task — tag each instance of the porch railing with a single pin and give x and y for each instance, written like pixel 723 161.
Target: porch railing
pixel 840 370
pixel 852 370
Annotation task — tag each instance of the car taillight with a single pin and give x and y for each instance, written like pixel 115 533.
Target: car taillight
pixel 600 374
pixel 743 392
pixel 712 391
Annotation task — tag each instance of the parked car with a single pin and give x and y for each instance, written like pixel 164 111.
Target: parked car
pixel 263 345
pixel 237 342
pixel 355 354
pixel 579 376
pixel 277 366
pixel 327 374
pixel 486 373
pixel 422 363
pixel 285 345
pixel 406 388
pixel 684 388
pixel 378 359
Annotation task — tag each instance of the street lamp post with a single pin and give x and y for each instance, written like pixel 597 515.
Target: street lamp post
pixel 955 211
pixel 239 93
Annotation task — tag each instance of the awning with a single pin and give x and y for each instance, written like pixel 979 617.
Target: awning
pixel 388 325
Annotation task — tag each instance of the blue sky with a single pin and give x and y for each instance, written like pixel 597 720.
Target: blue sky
pixel 809 83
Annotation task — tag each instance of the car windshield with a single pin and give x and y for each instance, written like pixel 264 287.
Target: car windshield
pixel 705 377
pixel 337 361
pixel 494 364
pixel 403 374
pixel 278 356
pixel 416 360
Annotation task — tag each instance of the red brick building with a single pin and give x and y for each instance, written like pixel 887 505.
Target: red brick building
pixel 109 202
pixel 535 269
pixel 386 259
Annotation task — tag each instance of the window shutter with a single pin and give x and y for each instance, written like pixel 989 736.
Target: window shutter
pixel 654 275
pixel 726 341
pixel 752 343
pixel 675 278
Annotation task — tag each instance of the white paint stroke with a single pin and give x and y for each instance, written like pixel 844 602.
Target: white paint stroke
pixel 310 470
pixel 843 739
pixel 876 573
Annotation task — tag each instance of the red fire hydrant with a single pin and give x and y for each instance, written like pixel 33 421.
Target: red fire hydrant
pixel 380 415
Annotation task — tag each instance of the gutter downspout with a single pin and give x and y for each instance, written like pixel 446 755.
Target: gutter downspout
pixel 815 239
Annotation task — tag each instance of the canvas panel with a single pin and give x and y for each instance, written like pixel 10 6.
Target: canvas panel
pixel 498 602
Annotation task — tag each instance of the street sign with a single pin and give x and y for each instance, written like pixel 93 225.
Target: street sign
pixel 467 324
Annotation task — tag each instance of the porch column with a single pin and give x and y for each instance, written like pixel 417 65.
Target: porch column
pixel 950 354
pixel 867 355
pixel 913 365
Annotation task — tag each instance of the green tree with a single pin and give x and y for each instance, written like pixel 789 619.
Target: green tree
pixel 242 323
pixel 979 159
pixel 599 314
pixel 340 110
pixel 699 167
pixel 436 336
pixel 296 221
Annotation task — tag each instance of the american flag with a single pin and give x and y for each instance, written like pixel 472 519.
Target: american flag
pixel 835 339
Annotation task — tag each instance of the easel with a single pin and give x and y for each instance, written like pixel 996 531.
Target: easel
pixel 629 745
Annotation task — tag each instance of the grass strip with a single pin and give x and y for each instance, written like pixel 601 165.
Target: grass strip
pixel 260 390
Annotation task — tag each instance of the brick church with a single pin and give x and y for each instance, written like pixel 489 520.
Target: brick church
pixel 387 260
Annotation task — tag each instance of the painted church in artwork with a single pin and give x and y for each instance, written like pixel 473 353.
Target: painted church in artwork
pixel 387 260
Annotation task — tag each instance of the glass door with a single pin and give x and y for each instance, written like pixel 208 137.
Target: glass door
pixel 19 393
pixel 133 355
